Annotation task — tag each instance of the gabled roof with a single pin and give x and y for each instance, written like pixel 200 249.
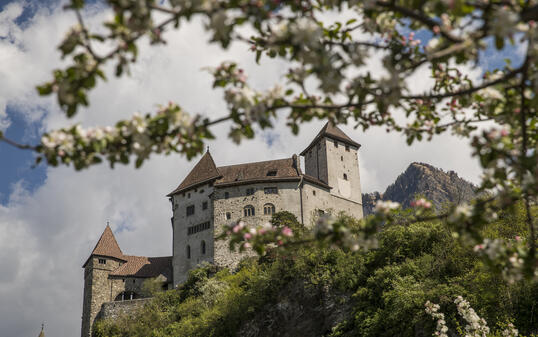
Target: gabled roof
pixel 107 246
pixel 331 131
pixel 141 266
pixel 270 170
pixel 204 171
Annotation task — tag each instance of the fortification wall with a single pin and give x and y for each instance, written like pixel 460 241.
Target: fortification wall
pixel 112 310
pixel 287 199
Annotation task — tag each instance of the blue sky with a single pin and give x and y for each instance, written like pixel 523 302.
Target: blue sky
pixel 55 215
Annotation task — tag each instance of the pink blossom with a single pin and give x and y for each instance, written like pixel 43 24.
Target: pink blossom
pixel 286 231
pixel 436 29
pixel 236 229
pixel 247 245
pixel 247 236
pixel 279 242
pixel 518 238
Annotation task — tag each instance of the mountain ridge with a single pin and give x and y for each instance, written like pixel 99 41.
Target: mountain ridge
pixel 422 179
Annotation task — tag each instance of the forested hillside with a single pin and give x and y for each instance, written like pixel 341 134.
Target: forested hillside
pixel 311 291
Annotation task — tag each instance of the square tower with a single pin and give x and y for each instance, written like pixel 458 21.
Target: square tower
pixel 332 157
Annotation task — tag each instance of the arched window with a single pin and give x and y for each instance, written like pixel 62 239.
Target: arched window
pixel 126 296
pixel 268 209
pixel 188 252
pixel 202 247
pixel 249 210
pixel 345 176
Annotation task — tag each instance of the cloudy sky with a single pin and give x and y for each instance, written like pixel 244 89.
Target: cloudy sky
pixel 50 218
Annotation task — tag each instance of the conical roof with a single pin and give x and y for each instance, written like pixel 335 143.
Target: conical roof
pixel 107 246
pixel 205 170
pixel 331 131
pixel 42 333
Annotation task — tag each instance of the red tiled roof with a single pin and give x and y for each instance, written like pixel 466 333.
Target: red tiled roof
pixel 107 246
pixel 204 171
pixel 270 170
pixel 331 131
pixel 142 266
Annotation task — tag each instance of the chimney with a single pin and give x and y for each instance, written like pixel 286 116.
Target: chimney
pixel 296 164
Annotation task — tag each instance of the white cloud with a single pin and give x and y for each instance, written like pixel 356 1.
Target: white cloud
pixel 45 236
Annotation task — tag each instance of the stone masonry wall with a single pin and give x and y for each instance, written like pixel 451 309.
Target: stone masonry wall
pixel 113 310
pixel 98 289
pixel 182 240
pixel 287 199
pixel 341 161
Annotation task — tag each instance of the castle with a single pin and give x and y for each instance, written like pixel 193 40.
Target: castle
pixel 210 197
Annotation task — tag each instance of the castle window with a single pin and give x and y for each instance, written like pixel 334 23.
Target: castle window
pixel 190 210
pixel 204 205
pixel 345 176
pixel 250 191
pixel 198 228
pixel 228 215
pixel 102 261
pixel 271 173
pixel 249 210
pixel 226 195
pixel 347 148
pixel 270 190
pixel 268 209
pixel 202 247
pixel 188 195
pixel 126 296
pixel 188 252
pixel 341 158
pixel 314 192
pixel 335 143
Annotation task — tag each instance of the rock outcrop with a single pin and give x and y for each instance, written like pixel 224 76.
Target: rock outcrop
pixel 425 180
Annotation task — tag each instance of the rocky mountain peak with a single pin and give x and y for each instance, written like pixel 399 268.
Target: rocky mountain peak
pixel 422 179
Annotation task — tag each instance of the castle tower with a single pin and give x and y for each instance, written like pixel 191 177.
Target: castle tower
pixel 105 257
pixel 332 157
pixel 192 221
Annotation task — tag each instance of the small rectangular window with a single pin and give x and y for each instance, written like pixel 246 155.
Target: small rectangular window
pixel 102 261
pixel 188 195
pixel 190 210
pixel 347 148
pixel 204 205
pixel 335 143
pixel 228 215
pixel 270 190
pixel 250 191
pixel 314 192
pixel 271 173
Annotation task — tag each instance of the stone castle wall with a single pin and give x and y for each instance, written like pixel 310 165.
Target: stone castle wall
pixel 112 310
pixel 287 199
pixel 184 241
pixel 344 160
pixel 98 289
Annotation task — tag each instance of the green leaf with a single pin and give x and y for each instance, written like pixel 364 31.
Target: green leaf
pixel 44 89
